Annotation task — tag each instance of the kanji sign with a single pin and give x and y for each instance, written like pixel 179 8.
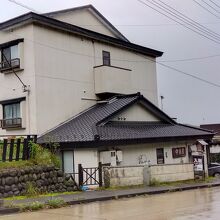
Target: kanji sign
pixel 179 152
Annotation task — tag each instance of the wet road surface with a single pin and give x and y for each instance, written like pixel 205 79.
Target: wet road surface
pixel 193 205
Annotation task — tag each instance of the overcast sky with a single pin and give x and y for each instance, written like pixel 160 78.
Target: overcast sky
pixel 188 99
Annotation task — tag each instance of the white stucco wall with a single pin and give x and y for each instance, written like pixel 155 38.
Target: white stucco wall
pixel 87 157
pixel 84 18
pixel 65 75
pixel 59 68
pixel 11 88
pixel 141 154
pixel 136 113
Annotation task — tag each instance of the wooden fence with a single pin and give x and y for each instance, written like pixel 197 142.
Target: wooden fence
pixel 15 149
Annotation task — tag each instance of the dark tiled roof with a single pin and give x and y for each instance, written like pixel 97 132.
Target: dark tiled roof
pixel 95 125
pixel 212 127
pixel 118 130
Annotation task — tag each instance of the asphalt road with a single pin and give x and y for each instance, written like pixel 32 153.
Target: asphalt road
pixel 194 205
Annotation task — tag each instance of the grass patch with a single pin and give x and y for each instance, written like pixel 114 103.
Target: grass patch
pixel 35 206
pixel 15 164
pixel 178 183
pixel 55 203
pixel 40 196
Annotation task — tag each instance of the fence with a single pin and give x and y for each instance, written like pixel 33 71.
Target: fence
pixel 138 175
pixel 15 149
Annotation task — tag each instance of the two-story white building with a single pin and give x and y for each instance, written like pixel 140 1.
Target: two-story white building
pixel 71 77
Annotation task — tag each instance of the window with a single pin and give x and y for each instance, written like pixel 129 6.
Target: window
pixel 160 156
pixel 12 111
pixel 11 115
pixel 106 58
pixel 10 55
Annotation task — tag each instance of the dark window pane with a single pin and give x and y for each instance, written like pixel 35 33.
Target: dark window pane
pixel 160 156
pixel 106 58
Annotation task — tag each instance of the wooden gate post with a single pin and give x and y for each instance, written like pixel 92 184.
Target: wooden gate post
pixel 100 174
pixel 80 170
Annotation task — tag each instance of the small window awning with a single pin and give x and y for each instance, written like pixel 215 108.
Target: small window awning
pixel 202 142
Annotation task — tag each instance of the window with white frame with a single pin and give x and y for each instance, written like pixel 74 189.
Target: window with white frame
pixel 10 55
pixel 12 113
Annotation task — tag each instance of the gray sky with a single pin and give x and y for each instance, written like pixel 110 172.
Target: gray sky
pixel 190 100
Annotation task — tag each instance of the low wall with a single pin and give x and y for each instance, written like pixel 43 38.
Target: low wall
pixel 171 173
pixel 123 176
pixel 14 182
pixel 138 175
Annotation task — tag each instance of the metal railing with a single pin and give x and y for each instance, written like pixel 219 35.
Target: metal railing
pixel 10 64
pixel 11 123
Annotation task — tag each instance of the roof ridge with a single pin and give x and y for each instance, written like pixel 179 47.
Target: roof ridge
pixel 68 9
pixel 90 6
pixel 191 126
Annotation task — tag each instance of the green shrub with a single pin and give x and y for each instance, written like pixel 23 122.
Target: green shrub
pixel 43 156
pixel 55 203
pixel 31 190
pixel 33 206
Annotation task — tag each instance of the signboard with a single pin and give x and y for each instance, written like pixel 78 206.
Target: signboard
pixel 179 152
pixel 198 163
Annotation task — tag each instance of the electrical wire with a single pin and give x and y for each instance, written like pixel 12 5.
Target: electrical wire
pixel 23 6
pixel 214 3
pixel 122 60
pixel 190 59
pixel 210 6
pixel 151 60
pixel 206 9
pixel 187 25
pixel 188 19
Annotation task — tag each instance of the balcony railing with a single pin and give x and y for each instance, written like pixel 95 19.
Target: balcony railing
pixel 11 64
pixel 11 123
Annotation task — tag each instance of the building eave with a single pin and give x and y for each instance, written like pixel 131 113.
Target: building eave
pixel 82 32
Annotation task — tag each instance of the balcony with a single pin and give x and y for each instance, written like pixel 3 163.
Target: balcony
pixel 11 123
pixel 11 64
pixel 111 79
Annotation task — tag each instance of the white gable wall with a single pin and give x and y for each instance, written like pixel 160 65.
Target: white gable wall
pixel 84 18
pixel 136 113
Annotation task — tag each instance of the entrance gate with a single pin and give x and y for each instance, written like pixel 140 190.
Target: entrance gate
pixel 90 176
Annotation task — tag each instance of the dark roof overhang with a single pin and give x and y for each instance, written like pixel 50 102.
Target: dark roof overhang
pixel 122 142
pixel 59 25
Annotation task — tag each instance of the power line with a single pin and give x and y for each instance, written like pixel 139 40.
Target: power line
pixel 210 6
pixel 164 65
pixel 206 9
pixel 186 24
pixel 190 59
pixel 122 60
pixel 189 74
pixel 188 19
pixel 155 9
pixel 23 5
pixel 214 3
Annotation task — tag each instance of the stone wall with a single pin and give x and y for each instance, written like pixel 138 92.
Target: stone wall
pixel 123 176
pixel 14 182
pixel 171 173
pixel 138 175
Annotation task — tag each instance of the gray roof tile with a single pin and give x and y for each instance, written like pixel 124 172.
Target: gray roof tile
pixel 96 122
